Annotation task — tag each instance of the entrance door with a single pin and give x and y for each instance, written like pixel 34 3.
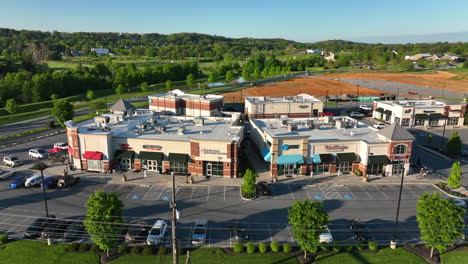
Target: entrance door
pixel 209 169
pixel 126 164
pixel 289 169
pixel 398 167
pixel 152 165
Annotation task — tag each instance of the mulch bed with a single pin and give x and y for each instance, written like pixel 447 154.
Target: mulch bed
pixel 425 253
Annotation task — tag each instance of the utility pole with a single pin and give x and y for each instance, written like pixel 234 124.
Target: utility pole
pixel 393 242
pixel 174 218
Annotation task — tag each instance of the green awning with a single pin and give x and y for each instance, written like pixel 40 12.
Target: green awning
pixel 378 159
pixel 147 155
pixel 421 116
pixel 379 109
pixel 124 154
pixel 387 112
pixel 178 157
pixel 436 116
pixel 342 157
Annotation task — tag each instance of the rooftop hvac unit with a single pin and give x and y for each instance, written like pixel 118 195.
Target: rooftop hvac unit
pixel 101 119
pixel 162 128
pixel 180 130
pixel 199 121
pixel 292 127
pixel 340 124
pixel 310 124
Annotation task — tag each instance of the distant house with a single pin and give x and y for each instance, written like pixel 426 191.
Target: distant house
pixel 76 53
pixel 101 51
pixel 310 51
pixel 450 57
pixel 329 57
pixel 421 56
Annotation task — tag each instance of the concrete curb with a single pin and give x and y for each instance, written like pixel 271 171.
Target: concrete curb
pixel 433 152
pixel 446 193
pixel 246 199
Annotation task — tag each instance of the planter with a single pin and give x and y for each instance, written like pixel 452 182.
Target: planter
pixel 247 199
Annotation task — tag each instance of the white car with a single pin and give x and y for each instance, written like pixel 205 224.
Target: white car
pixel 38 153
pixel 458 201
pixel 61 145
pixel 157 233
pixel 11 161
pixel 356 114
pixel 33 180
pixel 379 125
pixel 199 231
pixel 365 108
pixel 326 236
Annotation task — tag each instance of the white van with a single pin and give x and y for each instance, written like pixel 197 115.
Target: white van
pixel 33 181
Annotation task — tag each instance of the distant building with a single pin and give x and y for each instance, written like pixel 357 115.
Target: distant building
pixel 310 51
pixel 420 56
pixel 302 105
pixel 451 57
pixel 101 51
pixel 329 57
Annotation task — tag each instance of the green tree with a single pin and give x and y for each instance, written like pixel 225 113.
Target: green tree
pixel 103 219
pixel 307 219
pixel 168 84
pixel 144 86
pixel 119 90
pixel 190 80
pixel 90 95
pixel 229 76
pixel 11 106
pixel 454 179
pixel 62 110
pixel 257 74
pixel 405 65
pixel 248 185
pixel 465 65
pixel 440 221
pixel 211 77
pixel 454 144
pixel 97 104
pixel 54 96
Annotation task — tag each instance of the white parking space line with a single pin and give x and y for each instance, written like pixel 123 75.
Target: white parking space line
pixel 290 234
pixel 291 192
pixel 365 192
pixel 193 190
pixel 378 189
pixel 273 191
pixel 177 190
pixel 129 195
pixel 20 224
pixel 350 192
pixel 208 195
pixel 271 235
pixel 224 193
pixel 161 193
pixel 304 189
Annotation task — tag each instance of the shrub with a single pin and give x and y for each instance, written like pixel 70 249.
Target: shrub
pixel 147 251
pixel 337 247
pixel 372 245
pixel 324 246
pixel 287 248
pixel 181 251
pixel 358 172
pixel 238 247
pixel 122 249
pixel 274 245
pixel 359 246
pixel 83 247
pixel 73 247
pixel 135 250
pixel 262 247
pixel 3 238
pixel 95 249
pixel 162 251
pixel 348 248
pixel 50 124
pixel 248 187
pixel 251 248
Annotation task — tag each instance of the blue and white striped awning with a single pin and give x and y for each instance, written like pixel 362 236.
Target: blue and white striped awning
pixel 266 154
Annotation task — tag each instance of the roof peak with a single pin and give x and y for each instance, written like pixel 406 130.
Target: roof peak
pixel 396 132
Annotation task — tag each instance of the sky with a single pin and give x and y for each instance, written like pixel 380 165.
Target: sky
pixel 299 20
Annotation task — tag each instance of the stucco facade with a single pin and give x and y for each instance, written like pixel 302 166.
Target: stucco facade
pixel 302 105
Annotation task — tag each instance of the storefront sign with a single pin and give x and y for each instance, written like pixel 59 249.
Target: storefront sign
pixel 428 111
pixel 152 147
pixel 125 146
pixel 212 151
pixel 335 148
pixel 400 157
pixel 303 106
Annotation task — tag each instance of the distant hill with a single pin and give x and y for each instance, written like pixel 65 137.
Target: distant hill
pixel 416 38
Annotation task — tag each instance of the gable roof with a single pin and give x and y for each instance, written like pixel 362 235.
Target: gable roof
pixel 121 106
pixel 396 132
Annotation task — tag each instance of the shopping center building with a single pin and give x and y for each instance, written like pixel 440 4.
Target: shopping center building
pixel 305 146
pixel 422 113
pixel 302 105
pixel 132 139
pixel 177 102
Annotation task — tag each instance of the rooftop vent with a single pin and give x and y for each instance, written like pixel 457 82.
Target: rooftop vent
pixel 101 119
pixel 292 127
pixel 180 130
pixel 310 124
pixel 352 132
pixel 340 124
pixel 328 119
pixel 162 128
pixel 199 121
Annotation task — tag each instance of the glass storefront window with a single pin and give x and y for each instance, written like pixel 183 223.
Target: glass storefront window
pixel 322 167
pixel 213 168
pixel 405 122
pixel 345 166
pixel 179 167
pixel 375 169
pixel 453 121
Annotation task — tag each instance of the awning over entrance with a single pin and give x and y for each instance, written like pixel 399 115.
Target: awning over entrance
pixel 316 158
pixel 266 154
pixel 379 109
pixel 124 154
pixel 70 150
pixel 436 116
pixel 290 159
pixel 378 159
pixel 421 116
pixel 343 157
pixel 147 155
pixel 326 158
pixel 387 112
pixel 178 157
pixel 92 155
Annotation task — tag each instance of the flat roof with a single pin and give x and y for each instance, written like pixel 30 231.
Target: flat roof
pixel 300 98
pixel 174 94
pixel 141 126
pixel 420 103
pixel 325 133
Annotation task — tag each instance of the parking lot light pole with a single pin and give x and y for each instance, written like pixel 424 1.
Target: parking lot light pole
pixel 393 242
pixel 174 219
pixel 42 166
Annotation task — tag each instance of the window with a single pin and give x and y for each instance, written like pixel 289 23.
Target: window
pixel 397 120
pixel 387 117
pixel 150 100
pixel 405 122
pixel 453 121
pixel 399 149
pixel 179 167
pixel 345 166
pixel 375 169
pixel 213 168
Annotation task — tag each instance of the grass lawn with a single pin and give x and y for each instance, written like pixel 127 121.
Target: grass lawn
pixel 25 251
pixel 211 256
pixel 386 255
pixel 454 257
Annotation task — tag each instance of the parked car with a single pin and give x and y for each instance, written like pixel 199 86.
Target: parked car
pixel 18 182
pixel 458 201
pixel 157 233
pixel 412 92
pixel 263 188
pixel 75 230
pixel 6 174
pixel 12 161
pixel 199 231
pixel 379 125
pixel 327 114
pixel 240 233
pixel 326 236
pixel 33 181
pixel 38 153
pixel 61 145
pixel 365 108
pixel 357 114
pixel 50 182
pixel 67 181
pixel 359 230
pixel 137 232
pixel 35 229
pixel 55 229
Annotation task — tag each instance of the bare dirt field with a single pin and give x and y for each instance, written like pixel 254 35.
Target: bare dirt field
pixel 315 87
pixel 438 79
